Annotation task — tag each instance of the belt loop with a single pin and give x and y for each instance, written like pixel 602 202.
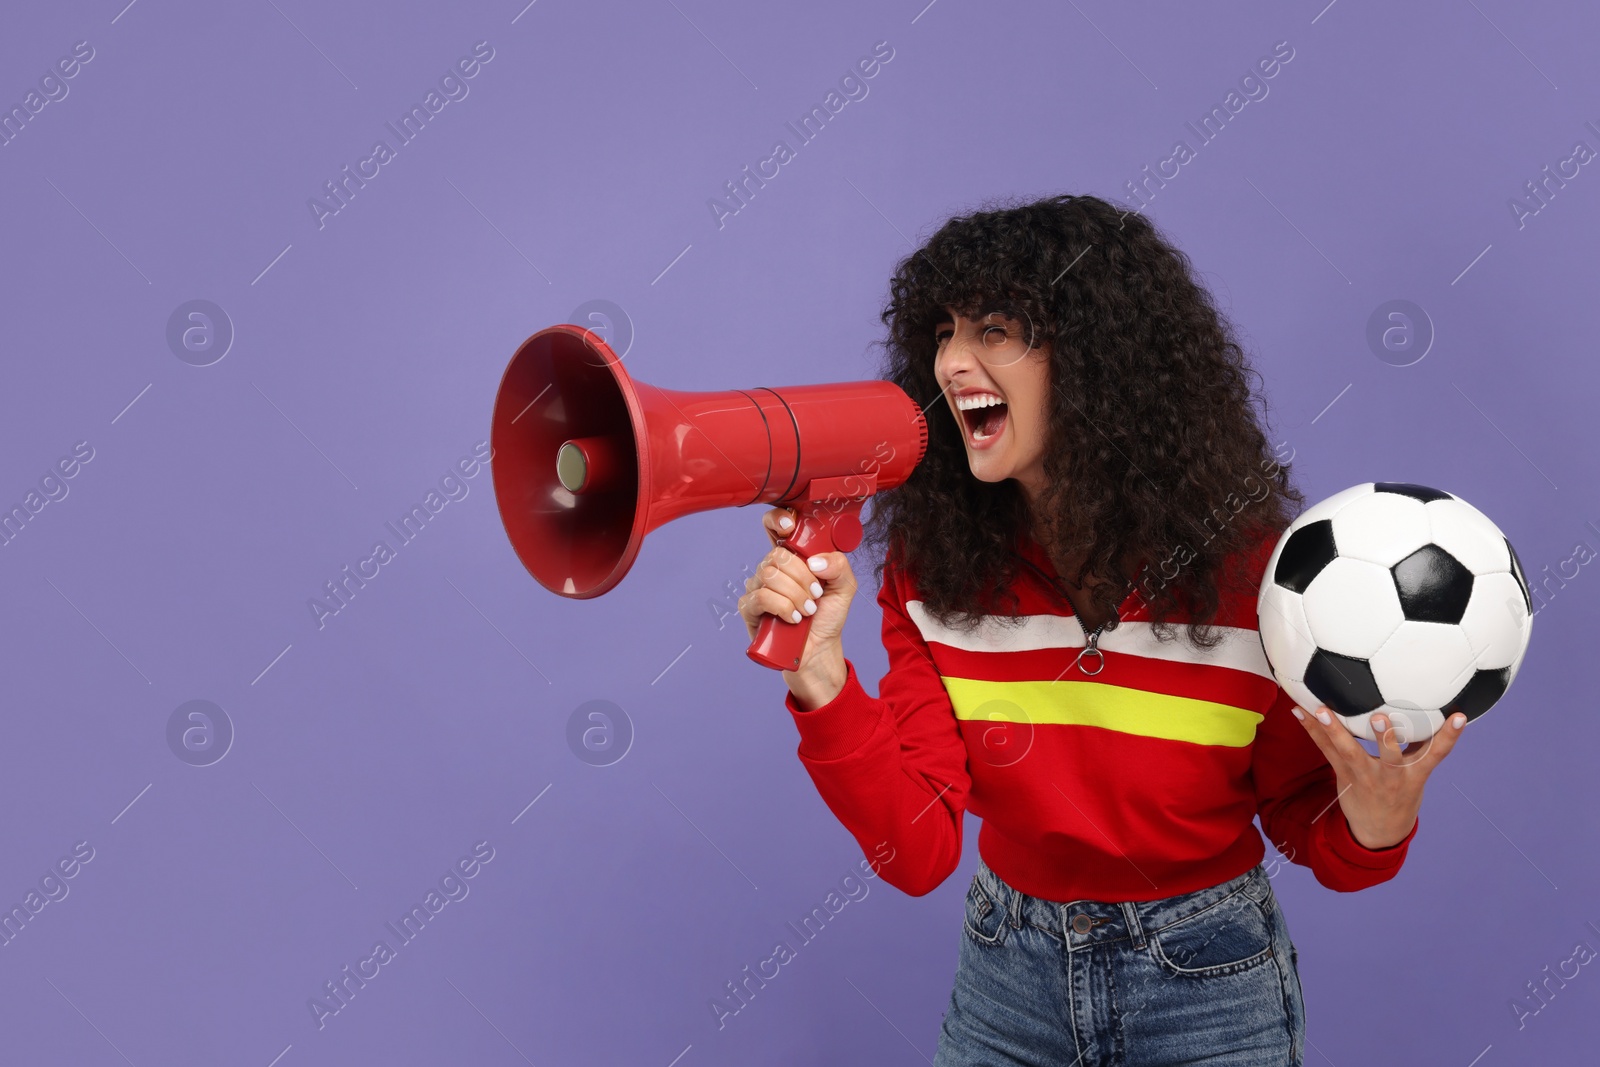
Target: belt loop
pixel 1263 880
pixel 1014 907
pixel 1135 930
pixel 1249 884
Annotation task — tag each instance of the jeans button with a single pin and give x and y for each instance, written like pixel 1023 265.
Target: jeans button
pixel 1081 923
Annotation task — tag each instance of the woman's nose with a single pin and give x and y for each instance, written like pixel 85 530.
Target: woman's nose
pixel 958 353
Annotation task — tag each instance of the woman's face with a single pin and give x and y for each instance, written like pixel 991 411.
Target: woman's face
pixel 999 390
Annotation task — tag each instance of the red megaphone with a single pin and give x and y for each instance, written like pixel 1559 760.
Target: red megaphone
pixel 587 461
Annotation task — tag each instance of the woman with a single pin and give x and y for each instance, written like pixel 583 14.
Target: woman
pixel 1095 474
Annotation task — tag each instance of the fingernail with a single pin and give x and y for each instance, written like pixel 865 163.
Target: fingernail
pixel 784 522
pixel 810 606
pixel 1323 717
pixel 794 616
pixel 817 563
pixel 1458 721
pixel 1297 712
pixel 1379 723
pixel 816 588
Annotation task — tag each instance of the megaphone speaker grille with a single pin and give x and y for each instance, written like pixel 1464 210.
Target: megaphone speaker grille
pixel 565 411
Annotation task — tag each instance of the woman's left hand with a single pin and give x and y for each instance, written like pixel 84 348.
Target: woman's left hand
pixel 1380 795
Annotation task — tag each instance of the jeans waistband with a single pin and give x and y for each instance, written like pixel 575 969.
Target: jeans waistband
pixel 1087 922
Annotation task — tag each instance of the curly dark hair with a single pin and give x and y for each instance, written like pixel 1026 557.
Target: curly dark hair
pixel 1153 440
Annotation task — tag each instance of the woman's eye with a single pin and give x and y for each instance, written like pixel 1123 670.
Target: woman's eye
pixel 988 335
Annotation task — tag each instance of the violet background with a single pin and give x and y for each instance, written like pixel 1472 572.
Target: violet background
pixel 433 710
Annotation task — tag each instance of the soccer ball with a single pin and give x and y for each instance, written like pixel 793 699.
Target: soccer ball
pixel 1396 598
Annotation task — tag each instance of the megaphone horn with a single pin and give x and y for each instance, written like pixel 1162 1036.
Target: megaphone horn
pixel 587 461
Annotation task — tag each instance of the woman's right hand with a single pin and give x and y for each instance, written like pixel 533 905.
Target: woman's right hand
pixel 782 585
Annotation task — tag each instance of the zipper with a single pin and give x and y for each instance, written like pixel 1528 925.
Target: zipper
pixel 1092 646
pixel 1092 639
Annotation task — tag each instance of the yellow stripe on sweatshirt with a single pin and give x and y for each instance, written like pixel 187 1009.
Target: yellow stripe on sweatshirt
pixel 1112 707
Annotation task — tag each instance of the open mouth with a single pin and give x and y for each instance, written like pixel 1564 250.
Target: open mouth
pixel 984 423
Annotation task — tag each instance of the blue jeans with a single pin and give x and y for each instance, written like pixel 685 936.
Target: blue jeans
pixel 1207 977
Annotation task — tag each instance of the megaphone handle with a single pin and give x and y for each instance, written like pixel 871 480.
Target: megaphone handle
pixel 824 526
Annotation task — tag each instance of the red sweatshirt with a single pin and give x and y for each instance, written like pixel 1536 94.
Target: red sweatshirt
pixel 1139 782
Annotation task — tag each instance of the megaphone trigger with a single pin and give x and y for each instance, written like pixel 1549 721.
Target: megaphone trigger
pixel 824 525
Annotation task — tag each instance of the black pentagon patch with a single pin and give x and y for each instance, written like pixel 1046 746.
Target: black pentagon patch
pixel 1479 694
pixel 1522 580
pixel 1416 492
pixel 1343 683
pixel 1433 586
pixel 1308 550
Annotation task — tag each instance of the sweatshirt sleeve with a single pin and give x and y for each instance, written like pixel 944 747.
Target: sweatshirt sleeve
pixel 1296 795
pixel 892 768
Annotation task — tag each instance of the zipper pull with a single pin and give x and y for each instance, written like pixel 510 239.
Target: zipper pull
pixel 1092 646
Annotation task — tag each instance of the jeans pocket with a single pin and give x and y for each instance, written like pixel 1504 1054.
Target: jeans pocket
pixel 985 921
pixel 1230 936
